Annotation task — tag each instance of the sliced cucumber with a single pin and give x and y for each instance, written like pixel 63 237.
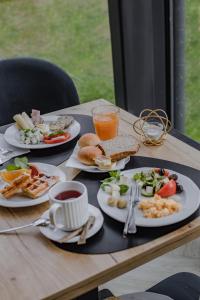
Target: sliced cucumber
pixel 147 193
pixel 149 189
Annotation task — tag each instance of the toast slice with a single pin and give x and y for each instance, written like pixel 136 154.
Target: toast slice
pixel 120 147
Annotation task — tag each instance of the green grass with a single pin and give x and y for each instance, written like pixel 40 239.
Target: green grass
pixel 74 34
pixel 192 88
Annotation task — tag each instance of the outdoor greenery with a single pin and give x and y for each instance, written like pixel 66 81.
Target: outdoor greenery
pixel 74 34
pixel 192 88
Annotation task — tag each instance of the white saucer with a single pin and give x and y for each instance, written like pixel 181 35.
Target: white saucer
pixel 56 234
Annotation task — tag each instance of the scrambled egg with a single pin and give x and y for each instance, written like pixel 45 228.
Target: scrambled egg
pixel 158 207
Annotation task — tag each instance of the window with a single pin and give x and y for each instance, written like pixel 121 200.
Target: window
pixel 74 34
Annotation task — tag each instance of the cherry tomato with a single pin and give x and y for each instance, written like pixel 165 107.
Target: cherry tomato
pixel 34 170
pixel 168 189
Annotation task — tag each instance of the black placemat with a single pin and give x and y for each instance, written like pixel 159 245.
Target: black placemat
pixel 109 238
pixel 57 155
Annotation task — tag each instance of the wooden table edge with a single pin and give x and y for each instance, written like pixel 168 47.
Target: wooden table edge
pixel 152 250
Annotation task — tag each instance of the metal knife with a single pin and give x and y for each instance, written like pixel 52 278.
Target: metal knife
pixel 125 231
pixel 130 226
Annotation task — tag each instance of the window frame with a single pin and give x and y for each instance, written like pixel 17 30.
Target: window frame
pixel 164 32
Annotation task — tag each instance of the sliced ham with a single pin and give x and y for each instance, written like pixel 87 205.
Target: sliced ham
pixel 36 118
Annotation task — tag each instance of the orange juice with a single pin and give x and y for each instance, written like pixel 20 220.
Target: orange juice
pixel 106 125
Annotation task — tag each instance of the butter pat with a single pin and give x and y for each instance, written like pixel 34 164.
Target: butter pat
pixel 104 163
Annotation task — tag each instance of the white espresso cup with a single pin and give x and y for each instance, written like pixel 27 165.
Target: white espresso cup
pixel 72 213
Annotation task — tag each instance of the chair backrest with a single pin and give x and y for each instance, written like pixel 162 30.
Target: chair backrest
pixel 27 83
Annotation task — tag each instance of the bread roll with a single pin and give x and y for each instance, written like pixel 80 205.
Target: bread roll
pixel 88 139
pixel 87 155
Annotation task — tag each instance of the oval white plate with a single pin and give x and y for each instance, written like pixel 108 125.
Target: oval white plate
pixel 22 201
pixel 73 162
pixel 189 198
pixel 12 135
pixel 119 166
pixel 56 234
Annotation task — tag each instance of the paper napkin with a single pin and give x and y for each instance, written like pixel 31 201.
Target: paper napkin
pixel 13 150
pixel 73 162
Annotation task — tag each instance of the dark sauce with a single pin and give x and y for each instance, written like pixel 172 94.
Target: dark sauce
pixel 68 195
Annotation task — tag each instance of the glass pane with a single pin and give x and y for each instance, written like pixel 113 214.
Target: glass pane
pixel 74 34
pixel 192 84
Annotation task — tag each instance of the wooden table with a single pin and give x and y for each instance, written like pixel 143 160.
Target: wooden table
pixel 31 267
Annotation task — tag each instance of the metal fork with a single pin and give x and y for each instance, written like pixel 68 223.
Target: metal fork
pixel 125 231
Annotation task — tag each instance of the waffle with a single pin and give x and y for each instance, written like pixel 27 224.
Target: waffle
pixel 39 185
pixel 16 186
pixel 31 187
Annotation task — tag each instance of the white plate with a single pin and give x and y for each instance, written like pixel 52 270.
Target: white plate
pixel 22 201
pixel 12 135
pixel 73 162
pixel 189 199
pixel 56 234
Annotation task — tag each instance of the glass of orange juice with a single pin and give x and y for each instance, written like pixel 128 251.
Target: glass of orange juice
pixel 106 121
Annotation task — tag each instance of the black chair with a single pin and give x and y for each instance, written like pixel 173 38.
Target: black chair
pixel 180 286
pixel 27 83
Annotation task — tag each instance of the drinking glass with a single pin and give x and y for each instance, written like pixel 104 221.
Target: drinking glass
pixel 153 130
pixel 106 121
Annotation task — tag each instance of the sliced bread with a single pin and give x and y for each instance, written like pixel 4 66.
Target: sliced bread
pixel 120 147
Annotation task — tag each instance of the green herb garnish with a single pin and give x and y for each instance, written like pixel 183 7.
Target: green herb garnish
pixel 137 176
pixel 115 174
pixel 114 177
pixel 109 179
pixel 103 185
pixel 56 133
pixel 123 189
pixel 19 163
pixel 12 168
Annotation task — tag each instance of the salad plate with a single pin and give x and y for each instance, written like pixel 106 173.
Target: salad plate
pixel 12 135
pixel 56 234
pixel 188 199
pixel 19 200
